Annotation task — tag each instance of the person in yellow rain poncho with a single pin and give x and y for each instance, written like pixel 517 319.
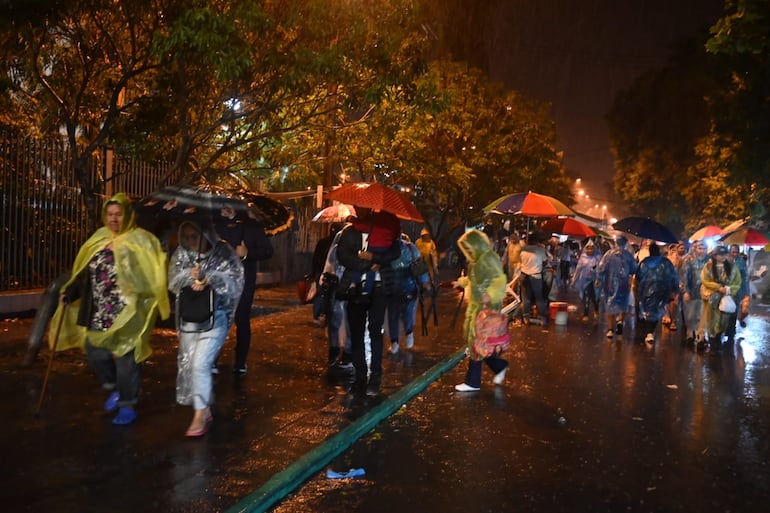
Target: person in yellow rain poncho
pixel 485 286
pixel 117 288
pixel 427 248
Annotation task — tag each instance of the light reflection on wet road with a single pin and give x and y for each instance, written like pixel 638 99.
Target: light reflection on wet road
pixel 581 424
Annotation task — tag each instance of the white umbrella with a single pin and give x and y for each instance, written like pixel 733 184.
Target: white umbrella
pixel 337 213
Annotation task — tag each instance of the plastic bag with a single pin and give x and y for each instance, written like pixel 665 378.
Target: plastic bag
pixel 727 304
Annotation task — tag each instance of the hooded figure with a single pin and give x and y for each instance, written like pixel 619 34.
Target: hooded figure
pixel 719 277
pixel 200 263
pixel 427 248
pixel 584 277
pixel 657 282
pixel 485 285
pixel 117 288
pixel 613 280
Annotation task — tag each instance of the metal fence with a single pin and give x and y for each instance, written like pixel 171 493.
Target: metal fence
pixel 44 221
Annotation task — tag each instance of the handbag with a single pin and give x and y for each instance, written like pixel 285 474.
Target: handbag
pixel 345 287
pixel 195 309
pixel 492 335
pixel 727 304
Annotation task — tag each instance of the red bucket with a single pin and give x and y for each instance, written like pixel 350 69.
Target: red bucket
pixel 557 306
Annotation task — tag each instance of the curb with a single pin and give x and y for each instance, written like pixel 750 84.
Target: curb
pixel 284 482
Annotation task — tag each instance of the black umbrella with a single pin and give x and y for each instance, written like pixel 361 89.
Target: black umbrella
pixel 645 228
pixel 209 203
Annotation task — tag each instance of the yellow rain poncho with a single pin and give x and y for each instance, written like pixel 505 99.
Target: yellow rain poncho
pixel 485 282
pixel 141 274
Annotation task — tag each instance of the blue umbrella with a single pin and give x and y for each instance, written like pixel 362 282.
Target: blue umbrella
pixel 645 228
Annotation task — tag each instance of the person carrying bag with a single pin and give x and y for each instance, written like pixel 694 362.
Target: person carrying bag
pixel 207 277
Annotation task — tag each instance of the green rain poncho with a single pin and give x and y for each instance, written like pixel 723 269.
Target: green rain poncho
pixel 485 282
pixel 141 273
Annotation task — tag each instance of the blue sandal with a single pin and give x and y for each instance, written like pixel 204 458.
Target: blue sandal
pixel 111 404
pixel 125 417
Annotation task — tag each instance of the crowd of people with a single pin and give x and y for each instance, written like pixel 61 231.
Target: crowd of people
pixel 673 285
pixel 370 278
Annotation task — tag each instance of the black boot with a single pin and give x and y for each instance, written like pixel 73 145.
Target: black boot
pixel 715 345
pixel 334 354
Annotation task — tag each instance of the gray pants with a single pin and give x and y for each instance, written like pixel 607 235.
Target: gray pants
pixel 692 314
pixel 121 373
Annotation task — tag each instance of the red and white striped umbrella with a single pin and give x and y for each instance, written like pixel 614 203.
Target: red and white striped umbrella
pixel 746 236
pixel 706 232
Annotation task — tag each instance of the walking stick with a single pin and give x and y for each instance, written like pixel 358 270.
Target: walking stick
pixel 432 310
pixel 50 362
pixel 457 310
pixel 424 327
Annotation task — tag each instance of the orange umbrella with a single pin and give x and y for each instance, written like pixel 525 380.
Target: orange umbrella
pixel 377 197
pixel 567 226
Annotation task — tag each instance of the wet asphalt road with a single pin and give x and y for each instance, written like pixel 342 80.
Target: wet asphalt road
pixel 581 424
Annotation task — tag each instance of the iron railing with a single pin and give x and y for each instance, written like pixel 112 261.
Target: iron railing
pixel 44 221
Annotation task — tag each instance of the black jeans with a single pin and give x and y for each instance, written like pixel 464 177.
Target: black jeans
pixel 358 314
pixel 121 373
pixel 473 376
pixel 243 322
pixel 533 291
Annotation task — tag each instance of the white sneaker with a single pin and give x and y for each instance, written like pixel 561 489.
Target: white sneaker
pixel 610 333
pixel 649 338
pixel 409 340
pixel 499 377
pixel 463 387
pixel 394 348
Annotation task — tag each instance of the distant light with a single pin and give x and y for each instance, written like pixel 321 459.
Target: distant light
pixel 578 180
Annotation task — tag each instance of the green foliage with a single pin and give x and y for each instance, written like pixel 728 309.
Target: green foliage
pixel 461 142
pixel 711 191
pixel 294 92
pixel 741 113
pixel 743 30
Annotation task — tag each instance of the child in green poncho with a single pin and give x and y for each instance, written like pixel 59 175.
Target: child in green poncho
pixel 485 285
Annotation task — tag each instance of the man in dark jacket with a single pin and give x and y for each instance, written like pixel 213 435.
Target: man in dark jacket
pixel 366 248
pixel 252 245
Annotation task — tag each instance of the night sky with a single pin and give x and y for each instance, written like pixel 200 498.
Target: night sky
pixel 577 55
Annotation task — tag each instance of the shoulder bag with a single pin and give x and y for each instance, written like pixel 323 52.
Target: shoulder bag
pixel 195 309
pixel 491 332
